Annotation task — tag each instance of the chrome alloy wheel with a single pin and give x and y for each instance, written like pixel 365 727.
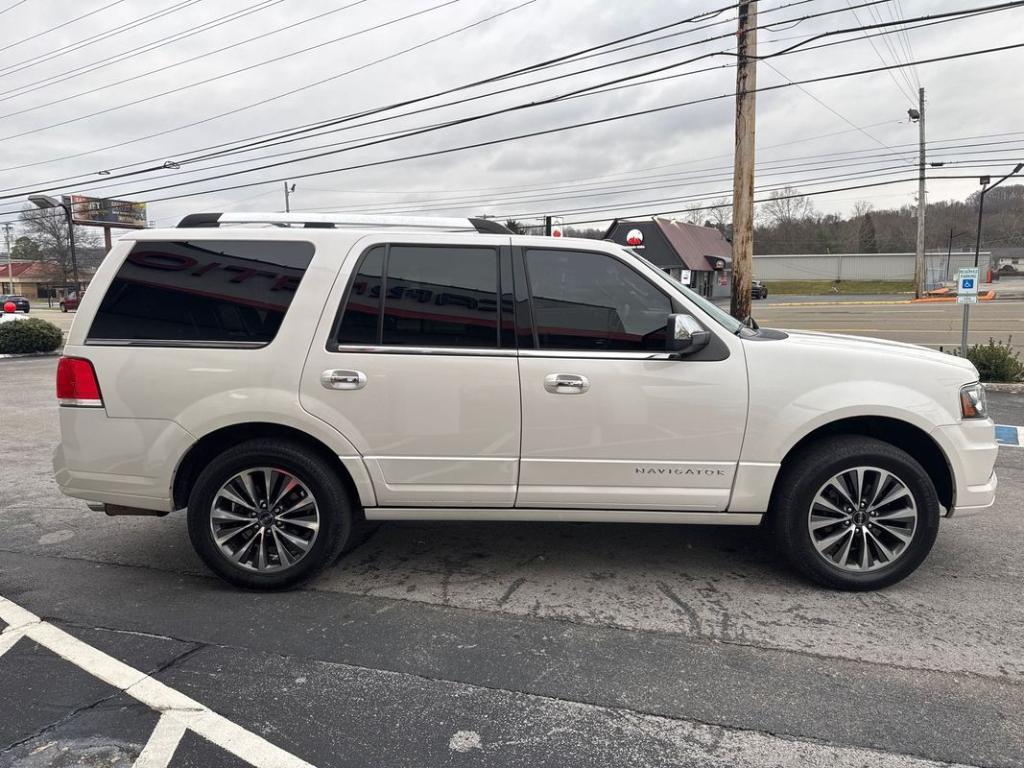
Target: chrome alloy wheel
pixel 862 519
pixel 264 519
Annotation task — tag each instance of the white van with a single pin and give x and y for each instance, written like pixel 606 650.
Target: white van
pixel 284 377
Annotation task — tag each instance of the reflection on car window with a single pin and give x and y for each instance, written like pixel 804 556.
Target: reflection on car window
pixel 434 296
pixel 592 301
pixel 206 291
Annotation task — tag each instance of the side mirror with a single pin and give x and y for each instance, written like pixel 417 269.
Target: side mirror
pixel 685 335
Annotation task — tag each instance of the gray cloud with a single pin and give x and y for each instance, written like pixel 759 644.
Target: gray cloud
pixel 965 97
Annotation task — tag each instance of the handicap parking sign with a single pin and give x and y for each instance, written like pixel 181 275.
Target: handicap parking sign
pixel 967 284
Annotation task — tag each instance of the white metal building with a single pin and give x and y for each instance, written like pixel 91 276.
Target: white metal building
pixel 862 266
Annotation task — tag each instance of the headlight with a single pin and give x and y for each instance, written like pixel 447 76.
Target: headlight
pixel 972 402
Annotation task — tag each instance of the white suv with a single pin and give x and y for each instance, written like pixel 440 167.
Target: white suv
pixel 286 377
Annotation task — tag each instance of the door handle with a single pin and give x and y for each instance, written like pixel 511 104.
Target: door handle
pixel 341 379
pixel 566 384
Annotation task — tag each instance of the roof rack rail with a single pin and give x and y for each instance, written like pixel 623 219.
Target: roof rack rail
pixel 346 220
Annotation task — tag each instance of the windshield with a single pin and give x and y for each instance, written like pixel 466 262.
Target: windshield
pixel 717 314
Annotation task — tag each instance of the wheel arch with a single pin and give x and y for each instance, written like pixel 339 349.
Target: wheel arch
pixel 901 434
pixel 215 442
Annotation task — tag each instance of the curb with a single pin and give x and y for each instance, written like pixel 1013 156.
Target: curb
pixel 831 303
pixel 1011 388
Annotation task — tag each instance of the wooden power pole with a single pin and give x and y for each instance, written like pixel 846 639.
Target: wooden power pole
pixel 922 204
pixel 743 173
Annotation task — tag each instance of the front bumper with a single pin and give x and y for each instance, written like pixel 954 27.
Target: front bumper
pixel 971 451
pixel 985 494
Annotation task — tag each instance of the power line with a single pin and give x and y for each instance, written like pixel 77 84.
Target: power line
pixel 429 206
pixel 633 172
pixel 59 26
pixel 583 91
pixel 313 126
pixel 835 112
pixel 543 132
pixel 12 7
pixel 696 197
pixel 892 75
pixel 189 60
pixel 849 188
pixel 513 73
pixel 205 81
pixel 97 64
pixel 272 98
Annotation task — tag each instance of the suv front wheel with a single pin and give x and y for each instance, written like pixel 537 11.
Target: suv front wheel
pixel 268 514
pixel 855 513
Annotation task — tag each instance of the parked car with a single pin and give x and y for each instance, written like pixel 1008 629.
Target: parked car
pixel 20 302
pixel 758 290
pixel 71 301
pixel 403 368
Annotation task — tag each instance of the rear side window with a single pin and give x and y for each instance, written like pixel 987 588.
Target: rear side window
pixel 201 292
pixel 429 296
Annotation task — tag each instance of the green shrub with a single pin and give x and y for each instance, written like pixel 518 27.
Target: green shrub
pixel 996 361
pixel 32 335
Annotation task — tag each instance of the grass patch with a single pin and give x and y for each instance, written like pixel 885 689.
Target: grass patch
pixel 846 287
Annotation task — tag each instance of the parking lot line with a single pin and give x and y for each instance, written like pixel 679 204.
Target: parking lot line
pixel 159 750
pixel 1010 436
pixel 180 711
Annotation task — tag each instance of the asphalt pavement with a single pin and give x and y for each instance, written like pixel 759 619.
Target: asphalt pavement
pixel 494 644
pixel 930 325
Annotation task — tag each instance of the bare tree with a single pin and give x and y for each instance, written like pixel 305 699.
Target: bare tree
pixel 786 206
pixel 48 228
pixel 861 208
pixel 720 215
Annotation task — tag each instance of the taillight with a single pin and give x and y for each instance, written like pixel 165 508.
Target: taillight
pixel 77 384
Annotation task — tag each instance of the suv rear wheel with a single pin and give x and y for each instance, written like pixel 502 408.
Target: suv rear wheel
pixel 855 513
pixel 268 515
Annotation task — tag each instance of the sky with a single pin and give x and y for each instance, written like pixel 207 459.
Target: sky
pixel 83 83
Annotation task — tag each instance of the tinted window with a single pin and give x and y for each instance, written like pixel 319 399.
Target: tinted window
pixel 434 296
pixel 359 323
pixel 590 301
pixel 202 291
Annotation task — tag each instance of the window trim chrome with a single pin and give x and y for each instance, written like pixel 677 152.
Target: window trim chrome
pixel 398 350
pixel 487 352
pixel 599 355
pixel 182 343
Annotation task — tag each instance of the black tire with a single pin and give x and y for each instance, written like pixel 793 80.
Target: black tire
pixel 63 307
pixel 323 482
pixel 806 473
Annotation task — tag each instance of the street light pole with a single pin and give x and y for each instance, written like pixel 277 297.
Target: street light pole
pixel 949 251
pixel 71 242
pixel 977 243
pixel 45 201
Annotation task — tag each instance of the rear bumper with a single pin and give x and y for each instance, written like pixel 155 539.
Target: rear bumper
pixel 120 462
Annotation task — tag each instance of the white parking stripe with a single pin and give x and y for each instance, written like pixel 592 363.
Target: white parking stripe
pixel 172 704
pixel 161 745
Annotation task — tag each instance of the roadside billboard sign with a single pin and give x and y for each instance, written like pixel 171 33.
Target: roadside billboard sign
pixel 104 212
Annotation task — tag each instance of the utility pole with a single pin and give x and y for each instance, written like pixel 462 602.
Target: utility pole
pixel 287 199
pixel 743 171
pixel 10 263
pixel 922 203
